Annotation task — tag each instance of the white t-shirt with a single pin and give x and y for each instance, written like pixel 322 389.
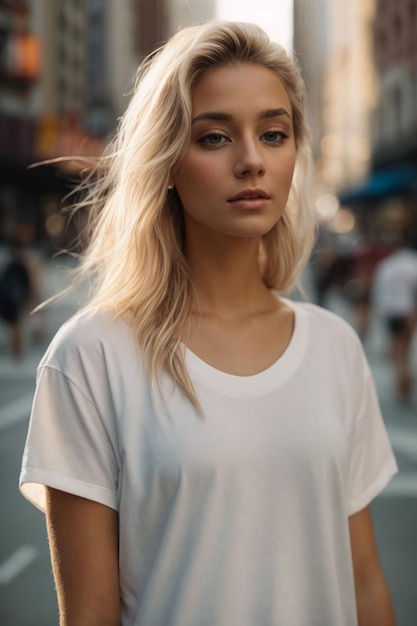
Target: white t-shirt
pixel 237 518
pixel 395 284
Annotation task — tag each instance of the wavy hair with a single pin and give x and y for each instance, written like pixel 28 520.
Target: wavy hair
pixel 136 231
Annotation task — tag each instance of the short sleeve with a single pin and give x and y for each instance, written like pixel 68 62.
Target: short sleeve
pixel 371 460
pixel 71 444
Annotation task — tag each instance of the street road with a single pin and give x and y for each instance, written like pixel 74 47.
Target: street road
pixel 27 596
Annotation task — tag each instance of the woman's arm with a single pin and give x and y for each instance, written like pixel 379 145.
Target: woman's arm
pixel 372 595
pixel 83 537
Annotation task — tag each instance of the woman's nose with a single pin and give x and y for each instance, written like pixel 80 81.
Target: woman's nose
pixel 249 160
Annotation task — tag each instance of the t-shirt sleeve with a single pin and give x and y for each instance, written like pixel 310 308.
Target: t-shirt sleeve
pixel 371 460
pixel 71 443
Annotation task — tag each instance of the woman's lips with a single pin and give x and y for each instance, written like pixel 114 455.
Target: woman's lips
pixel 251 204
pixel 250 199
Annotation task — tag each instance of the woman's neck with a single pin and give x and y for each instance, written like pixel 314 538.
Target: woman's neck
pixel 227 279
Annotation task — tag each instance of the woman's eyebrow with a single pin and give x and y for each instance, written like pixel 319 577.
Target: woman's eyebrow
pixel 212 115
pixel 274 113
pixel 226 117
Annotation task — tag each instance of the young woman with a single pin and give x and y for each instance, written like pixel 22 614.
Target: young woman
pixel 204 448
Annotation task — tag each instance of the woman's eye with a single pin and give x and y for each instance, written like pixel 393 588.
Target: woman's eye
pixel 275 136
pixel 213 139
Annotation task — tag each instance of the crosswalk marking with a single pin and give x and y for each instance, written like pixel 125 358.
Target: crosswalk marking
pixel 15 411
pixel 16 563
pixel 403 485
pixel 404 441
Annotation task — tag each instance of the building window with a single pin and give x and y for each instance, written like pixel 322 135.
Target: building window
pixel 398 34
pixel 414 121
pixel 381 44
pixel 397 110
pixel 384 119
pixel 412 29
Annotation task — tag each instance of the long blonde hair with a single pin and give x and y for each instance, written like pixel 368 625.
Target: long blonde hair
pixel 135 251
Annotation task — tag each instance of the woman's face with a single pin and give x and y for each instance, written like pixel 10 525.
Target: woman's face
pixel 236 174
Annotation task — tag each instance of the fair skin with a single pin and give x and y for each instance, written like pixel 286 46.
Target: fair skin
pixel 242 140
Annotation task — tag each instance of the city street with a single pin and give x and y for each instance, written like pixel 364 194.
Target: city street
pixel 27 596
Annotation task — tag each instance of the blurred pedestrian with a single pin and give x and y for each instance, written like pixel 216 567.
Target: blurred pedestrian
pixel 208 447
pixel 15 291
pixel 322 266
pixel 363 259
pixel 395 301
pixel 32 258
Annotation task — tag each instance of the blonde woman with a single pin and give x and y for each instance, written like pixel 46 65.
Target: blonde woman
pixel 204 448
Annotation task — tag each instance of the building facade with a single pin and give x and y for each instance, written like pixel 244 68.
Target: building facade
pixel 388 196
pixel 66 70
pixel 333 43
pixel 183 13
pixel 359 60
pixel 66 73
pixel 395 120
pixel 20 74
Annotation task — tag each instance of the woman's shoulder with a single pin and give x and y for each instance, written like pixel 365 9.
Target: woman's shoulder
pixel 322 321
pixel 332 339
pixel 88 336
pixel 90 326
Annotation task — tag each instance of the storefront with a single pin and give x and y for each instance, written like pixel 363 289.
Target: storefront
pixel 386 202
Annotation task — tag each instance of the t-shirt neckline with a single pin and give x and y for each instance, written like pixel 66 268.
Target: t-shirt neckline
pixel 270 378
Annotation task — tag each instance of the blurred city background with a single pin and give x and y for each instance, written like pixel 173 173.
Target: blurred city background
pixel 66 71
